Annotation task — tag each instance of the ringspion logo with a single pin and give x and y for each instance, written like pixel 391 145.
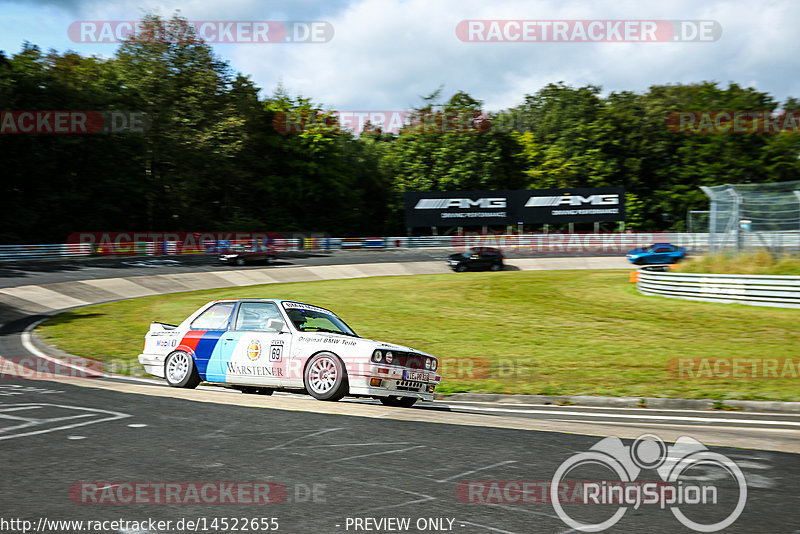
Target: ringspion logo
pixel 691 503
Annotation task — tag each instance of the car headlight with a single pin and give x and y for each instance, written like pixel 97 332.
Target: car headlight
pixel 434 364
pixel 377 356
pixel 389 356
pixel 427 363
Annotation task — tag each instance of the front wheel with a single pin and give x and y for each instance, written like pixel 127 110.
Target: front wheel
pixel 325 377
pixel 461 268
pixel 180 371
pixel 400 402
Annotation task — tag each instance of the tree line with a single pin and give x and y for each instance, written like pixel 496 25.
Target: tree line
pixel 211 158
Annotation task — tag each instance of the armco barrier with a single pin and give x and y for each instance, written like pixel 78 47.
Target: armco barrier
pixel 554 244
pixel 755 290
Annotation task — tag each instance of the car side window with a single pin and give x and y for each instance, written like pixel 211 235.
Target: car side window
pixel 663 249
pixel 256 315
pixel 216 317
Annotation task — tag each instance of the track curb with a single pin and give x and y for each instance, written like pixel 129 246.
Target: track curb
pixel 656 403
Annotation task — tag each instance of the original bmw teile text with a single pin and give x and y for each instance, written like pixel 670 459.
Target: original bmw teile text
pixel 261 345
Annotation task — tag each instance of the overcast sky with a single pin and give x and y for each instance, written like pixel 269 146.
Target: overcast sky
pixel 385 54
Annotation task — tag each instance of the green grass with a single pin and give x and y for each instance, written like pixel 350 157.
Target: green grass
pixel 760 262
pixel 532 332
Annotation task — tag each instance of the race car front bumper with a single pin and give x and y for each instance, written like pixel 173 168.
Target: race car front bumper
pixel 389 381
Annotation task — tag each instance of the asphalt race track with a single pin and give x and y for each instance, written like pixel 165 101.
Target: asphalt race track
pixel 80 449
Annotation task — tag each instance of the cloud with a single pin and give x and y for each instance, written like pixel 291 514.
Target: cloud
pixel 387 53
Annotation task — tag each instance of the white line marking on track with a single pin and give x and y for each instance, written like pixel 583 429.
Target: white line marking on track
pixel 498 464
pixel 352 445
pixel 425 498
pixel 103 416
pixel 302 437
pixel 557 408
pixel 376 453
pixel 491 529
pixel 23 407
pixel 644 417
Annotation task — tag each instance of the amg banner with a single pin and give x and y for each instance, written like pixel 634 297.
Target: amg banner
pixel 536 206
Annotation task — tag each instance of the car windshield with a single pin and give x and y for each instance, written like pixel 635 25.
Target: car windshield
pixel 307 318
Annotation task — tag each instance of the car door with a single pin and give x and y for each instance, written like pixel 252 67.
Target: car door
pixel 251 352
pixel 661 254
pixel 205 332
pixel 477 261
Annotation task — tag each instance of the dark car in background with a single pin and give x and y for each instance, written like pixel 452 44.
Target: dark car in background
pixel 242 254
pixel 657 253
pixel 477 259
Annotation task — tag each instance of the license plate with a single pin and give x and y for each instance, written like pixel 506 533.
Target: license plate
pixel 415 375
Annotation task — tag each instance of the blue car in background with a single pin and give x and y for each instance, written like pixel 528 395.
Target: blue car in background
pixel 657 253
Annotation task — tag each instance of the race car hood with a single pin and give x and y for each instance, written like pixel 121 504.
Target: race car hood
pixel 636 251
pixel 358 343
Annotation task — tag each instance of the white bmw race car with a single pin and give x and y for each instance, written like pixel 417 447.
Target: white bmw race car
pixel 258 345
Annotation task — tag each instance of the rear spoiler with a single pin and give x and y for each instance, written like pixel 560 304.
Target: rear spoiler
pixel 156 326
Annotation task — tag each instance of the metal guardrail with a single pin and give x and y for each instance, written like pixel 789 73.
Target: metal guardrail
pixel 755 290
pixel 40 252
pixel 511 244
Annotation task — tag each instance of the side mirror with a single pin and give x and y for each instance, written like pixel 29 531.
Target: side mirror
pixel 276 324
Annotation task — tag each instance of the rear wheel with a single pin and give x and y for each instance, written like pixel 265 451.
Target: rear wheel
pixel 325 377
pixel 400 402
pixel 496 267
pixel 180 371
